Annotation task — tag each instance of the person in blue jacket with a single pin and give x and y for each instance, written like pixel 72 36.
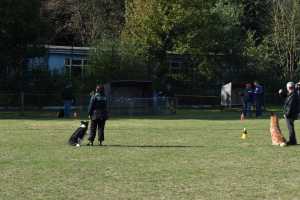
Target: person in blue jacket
pixel 97 111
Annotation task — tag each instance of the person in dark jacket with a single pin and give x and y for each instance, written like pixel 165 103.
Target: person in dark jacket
pixel 98 114
pixel 258 98
pixel 297 90
pixel 291 111
pixel 68 98
pixel 247 98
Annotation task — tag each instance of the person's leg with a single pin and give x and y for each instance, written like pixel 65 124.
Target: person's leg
pixel 67 108
pixel 101 131
pixel 292 135
pixel 249 112
pixel 258 107
pixel 245 109
pixel 92 132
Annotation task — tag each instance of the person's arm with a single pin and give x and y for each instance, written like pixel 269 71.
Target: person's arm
pixel 282 93
pixel 287 108
pixel 90 108
pixel 257 90
pixel 291 106
pixel 294 105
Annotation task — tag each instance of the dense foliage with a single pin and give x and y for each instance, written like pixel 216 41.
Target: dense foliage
pixel 220 40
pixel 20 30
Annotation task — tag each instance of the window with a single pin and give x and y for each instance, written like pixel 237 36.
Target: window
pixel 75 67
pixel 67 62
pixel 36 63
pixel 76 71
pixel 175 66
pixel 76 62
pixel 85 62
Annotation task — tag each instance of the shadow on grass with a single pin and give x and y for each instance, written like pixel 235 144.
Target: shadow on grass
pixel 143 146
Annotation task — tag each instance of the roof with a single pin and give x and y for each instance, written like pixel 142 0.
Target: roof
pixel 68 50
pixel 126 83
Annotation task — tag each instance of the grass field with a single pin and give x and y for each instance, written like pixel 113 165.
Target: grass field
pixel 193 155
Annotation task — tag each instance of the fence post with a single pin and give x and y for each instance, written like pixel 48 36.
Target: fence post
pixel 22 103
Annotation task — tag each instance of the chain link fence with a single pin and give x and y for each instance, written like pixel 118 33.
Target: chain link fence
pixel 117 106
pixel 141 106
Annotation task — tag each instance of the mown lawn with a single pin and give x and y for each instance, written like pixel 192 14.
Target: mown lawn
pixel 192 155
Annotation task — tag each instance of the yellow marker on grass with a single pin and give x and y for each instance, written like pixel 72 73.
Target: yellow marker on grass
pixel 244 134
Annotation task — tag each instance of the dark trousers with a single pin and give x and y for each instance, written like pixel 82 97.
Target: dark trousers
pixel 292 134
pixel 100 124
pixel 247 109
pixel 67 108
pixel 258 106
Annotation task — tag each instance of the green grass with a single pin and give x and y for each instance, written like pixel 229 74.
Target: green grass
pixel 193 155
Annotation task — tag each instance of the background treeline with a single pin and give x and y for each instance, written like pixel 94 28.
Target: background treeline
pixel 220 40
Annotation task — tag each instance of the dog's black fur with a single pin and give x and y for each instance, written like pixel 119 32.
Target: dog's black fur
pixel 78 135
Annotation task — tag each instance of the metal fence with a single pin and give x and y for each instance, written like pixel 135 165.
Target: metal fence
pixel 198 100
pixel 141 106
pixel 37 101
pixel 117 106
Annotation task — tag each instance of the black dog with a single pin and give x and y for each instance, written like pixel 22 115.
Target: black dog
pixel 77 136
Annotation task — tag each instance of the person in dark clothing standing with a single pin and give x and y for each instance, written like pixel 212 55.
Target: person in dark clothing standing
pixel 291 111
pixel 68 99
pixel 258 98
pixel 297 90
pixel 171 102
pixel 98 114
pixel 247 98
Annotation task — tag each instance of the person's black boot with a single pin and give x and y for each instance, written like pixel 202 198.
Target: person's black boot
pixel 289 143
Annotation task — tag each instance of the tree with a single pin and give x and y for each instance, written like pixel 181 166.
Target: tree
pixel 159 27
pixel 256 18
pixel 111 59
pixel 286 21
pixel 21 30
pixel 276 58
pixel 208 31
pixel 83 22
pixel 218 42
pixel 262 61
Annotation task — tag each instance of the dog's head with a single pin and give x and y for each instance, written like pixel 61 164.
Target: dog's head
pixel 272 113
pixel 84 124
